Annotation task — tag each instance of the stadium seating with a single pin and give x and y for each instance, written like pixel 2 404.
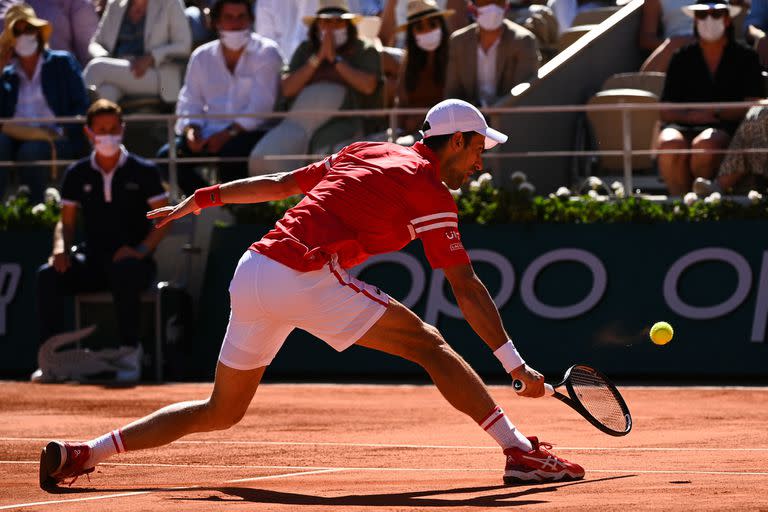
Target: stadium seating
pixel 571 35
pixel 608 133
pixel 651 81
pixel 594 16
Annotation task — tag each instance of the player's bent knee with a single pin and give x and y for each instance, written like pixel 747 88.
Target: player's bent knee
pixel 431 346
pixel 223 417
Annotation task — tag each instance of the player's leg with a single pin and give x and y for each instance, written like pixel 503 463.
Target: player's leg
pixel 232 393
pixel 400 332
pixel 251 342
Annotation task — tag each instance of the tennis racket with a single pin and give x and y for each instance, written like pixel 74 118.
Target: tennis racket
pixel 593 396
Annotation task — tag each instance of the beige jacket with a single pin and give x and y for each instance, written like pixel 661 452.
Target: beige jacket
pixel 167 38
pixel 517 60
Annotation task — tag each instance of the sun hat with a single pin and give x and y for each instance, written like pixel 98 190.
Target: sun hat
pixel 421 9
pixel 705 5
pixel 332 9
pixel 23 12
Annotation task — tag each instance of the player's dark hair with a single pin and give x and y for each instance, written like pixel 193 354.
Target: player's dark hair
pixel 219 4
pixel 438 142
pixel 103 106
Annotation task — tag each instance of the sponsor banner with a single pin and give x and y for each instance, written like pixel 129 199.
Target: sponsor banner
pixel 20 256
pixel 566 293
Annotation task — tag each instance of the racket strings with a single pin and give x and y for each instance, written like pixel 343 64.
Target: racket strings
pixel 599 399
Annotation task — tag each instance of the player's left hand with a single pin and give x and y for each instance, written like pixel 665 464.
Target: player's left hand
pixel 168 213
pixel 533 380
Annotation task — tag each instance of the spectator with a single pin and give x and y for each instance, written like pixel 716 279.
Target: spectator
pixel 713 69
pixel 489 57
pixel 198 14
pixel 136 50
pixel 279 20
pixel 395 13
pixel 664 27
pixel 74 23
pixel 38 83
pixel 540 20
pixel 113 189
pixel 237 73
pixel 741 172
pixel 423 79
pixel 333 69
pixel 757 25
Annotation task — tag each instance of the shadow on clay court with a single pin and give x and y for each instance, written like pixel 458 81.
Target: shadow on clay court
pixel 404 499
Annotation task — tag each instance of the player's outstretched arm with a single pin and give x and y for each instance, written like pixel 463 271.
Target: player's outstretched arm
pixel 256 189
pixel 480 311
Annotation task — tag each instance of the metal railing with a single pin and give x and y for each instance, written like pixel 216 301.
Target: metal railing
pixel 392 115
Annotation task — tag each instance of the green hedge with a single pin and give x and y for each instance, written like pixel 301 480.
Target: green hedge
pixel 18 214
pixel 480 202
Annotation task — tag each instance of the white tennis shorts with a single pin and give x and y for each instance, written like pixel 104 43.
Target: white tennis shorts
pixel 269 300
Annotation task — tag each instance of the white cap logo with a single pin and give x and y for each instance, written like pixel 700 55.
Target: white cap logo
pixel 452 115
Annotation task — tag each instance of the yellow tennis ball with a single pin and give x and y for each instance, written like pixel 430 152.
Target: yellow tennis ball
pixel 661 333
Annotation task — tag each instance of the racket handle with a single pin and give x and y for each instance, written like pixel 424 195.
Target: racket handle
pixel 519 387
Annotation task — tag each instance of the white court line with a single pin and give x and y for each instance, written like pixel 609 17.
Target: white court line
pixel 185 488
pixel 423 446
pixel 325 469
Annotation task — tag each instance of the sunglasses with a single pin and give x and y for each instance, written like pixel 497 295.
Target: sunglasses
pixel 713 13
pixel 29 29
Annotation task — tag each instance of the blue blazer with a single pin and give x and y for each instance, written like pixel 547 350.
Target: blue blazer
pixel 63 89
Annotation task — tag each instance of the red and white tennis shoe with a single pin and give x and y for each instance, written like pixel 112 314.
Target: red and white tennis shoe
pixel 538 465
pixel 59 461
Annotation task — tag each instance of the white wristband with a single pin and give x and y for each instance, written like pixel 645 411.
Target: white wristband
pixel 509 356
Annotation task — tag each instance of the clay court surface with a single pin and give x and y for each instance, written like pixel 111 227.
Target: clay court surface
pixel 385 448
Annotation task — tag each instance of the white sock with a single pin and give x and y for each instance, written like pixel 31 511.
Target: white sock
pixel 104 447
pixel 504 432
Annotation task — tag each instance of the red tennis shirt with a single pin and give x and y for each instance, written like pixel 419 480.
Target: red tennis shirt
pixel 370 198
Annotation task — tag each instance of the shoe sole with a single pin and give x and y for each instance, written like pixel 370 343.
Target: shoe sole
pixel 536 477
pixel 52 459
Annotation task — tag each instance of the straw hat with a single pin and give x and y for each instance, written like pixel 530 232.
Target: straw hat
pixel 332 9
pixel 421 9
pixel 706 5
pixel 23 12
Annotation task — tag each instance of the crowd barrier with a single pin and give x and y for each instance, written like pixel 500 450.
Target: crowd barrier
pixel 496 157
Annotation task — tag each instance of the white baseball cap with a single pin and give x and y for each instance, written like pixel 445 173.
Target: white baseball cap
pixel 452 115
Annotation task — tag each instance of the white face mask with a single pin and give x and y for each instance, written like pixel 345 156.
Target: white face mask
pixel 107 145
pixel 429 41
pixel 339 36
pixel 26 45
pixel 710 29
pixel 234 39
pixel 490 17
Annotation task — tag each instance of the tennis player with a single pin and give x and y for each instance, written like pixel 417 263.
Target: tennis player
pixel 369 198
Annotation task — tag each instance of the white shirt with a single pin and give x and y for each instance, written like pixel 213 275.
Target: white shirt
pixel 31 102
pixel 210 88
pixel 281 21
pixel 486 73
